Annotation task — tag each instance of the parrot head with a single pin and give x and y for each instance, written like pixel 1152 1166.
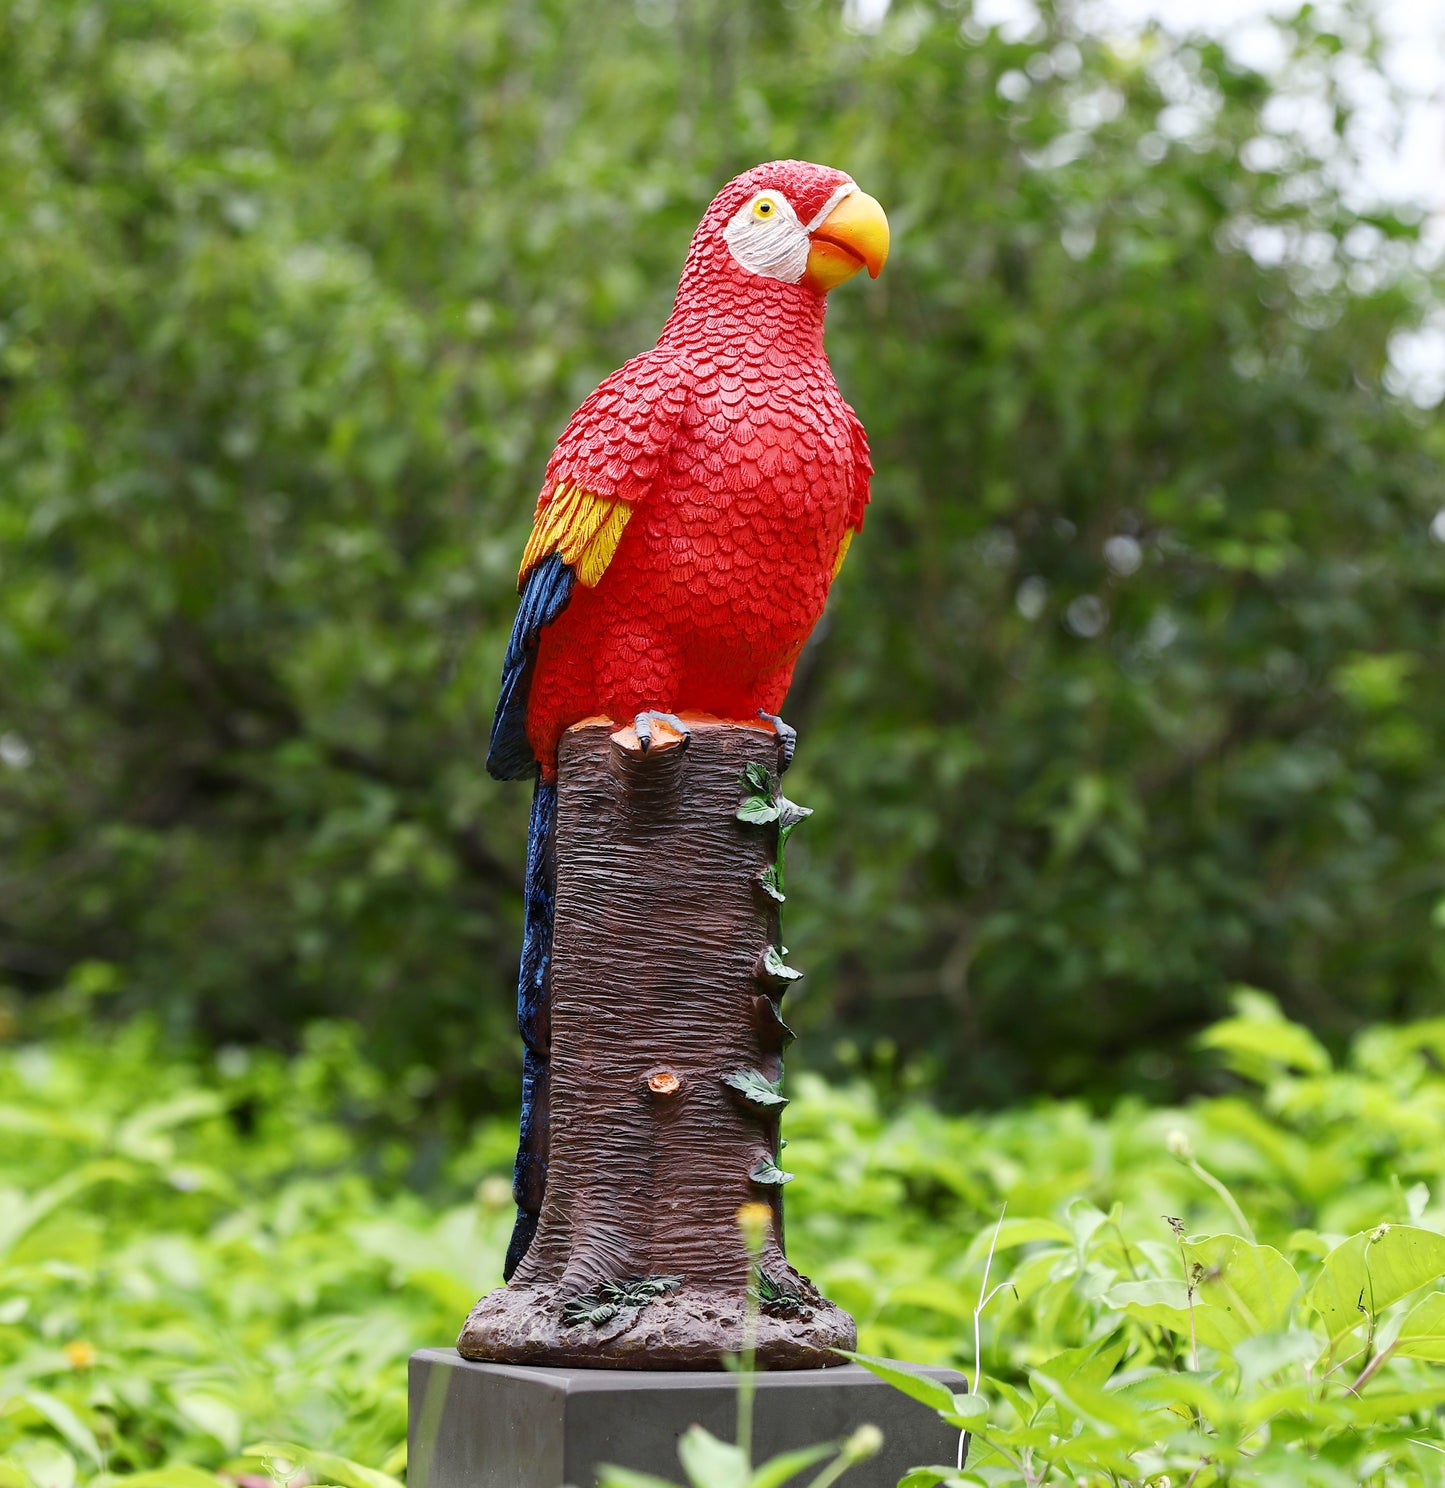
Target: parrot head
pixel 790 222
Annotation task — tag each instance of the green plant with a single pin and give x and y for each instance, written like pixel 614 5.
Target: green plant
pixel 710 1463
pixel 1218 1364
pixel 1213 1359
pixel 195 1258
pixel 198 1255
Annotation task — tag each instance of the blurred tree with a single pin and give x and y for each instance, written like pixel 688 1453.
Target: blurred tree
pixel 1133 687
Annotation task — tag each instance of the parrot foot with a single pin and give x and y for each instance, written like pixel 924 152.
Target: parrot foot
pixel 787 735
pixel 642 724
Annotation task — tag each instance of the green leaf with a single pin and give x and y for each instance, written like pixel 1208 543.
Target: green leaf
pixel 142 1136
pixel 217 1418
pixel 710 1463
pixel 1372 1269
pixel 1084 1219
pixel 24 1216
pixel 66 1422
pixel 1166 1303
pixel 1092 1363
pixel 769 1174
pixel 177 1475
pixel 1178 1391
pixel 1242 1290
pixel 624 1477
pixel 1015 1232
pixel 772 969
pixel 68 1126
pixel 767 881
pixel 1269 1353
pixel 42 1463
pixel 1023 1407
pixel 758 779
pixel 945 1297
pixel 756 1088
pixel 1388 1406
pixel 327 1466
pixel 772 1017
pixel 13 1476
pixel 778 1470
pixel 920 1387
pixel 790 814
pixel 1109 1413
pixel 969 1412
pixel 758 811
pixel 1422 1334
pixel 1254 1285
pixel 1375 683
pixel 1260 1041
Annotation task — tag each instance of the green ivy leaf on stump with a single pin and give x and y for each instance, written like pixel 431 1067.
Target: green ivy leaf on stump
pixel 774 970
pixel 769 1174
pixel 755 1088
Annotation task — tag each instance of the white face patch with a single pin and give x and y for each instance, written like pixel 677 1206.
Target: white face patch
pixel 766 238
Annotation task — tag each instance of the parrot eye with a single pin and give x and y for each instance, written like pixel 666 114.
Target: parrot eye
pixel 765 237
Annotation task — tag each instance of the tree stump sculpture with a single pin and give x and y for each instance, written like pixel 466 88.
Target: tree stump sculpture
pixel 667 1034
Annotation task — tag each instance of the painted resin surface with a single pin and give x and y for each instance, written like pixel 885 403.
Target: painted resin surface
pixel 692 518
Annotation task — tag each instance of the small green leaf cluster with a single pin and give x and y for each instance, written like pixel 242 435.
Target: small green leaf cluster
pixel 764 804
pixel 779 1298
pixel 710 1463
pixel 601 1306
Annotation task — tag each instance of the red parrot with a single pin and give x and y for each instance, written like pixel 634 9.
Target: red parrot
pixel 692 518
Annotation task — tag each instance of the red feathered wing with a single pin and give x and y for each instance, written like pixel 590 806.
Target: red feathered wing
pixel 604 464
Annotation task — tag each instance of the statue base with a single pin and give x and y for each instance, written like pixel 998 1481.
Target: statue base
pixel 474 1425
pixel 687 1329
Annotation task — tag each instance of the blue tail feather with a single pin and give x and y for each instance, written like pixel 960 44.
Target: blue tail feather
pixel 529 1178
pixel 545 593
pixel 544 596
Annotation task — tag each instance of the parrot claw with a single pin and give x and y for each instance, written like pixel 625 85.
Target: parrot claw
pixel 787 735
pixel 642 724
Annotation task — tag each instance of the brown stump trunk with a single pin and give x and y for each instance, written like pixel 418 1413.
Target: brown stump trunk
pixel 665 1039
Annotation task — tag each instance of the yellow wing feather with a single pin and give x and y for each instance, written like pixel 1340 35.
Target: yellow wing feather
pixel 593 560
pixel 843 551
pixel 582 529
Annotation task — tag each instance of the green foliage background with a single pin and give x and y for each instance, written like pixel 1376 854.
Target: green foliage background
pixel 199 1257
pixel 1132 687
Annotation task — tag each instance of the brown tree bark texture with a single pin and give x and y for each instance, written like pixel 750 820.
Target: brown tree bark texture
pixel 657 993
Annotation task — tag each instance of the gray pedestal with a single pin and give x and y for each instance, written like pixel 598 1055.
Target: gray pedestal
pixel 517 1426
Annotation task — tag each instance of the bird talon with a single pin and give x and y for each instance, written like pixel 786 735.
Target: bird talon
pixel 787 735
pixel 642 726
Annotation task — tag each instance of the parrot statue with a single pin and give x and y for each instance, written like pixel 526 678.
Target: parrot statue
pixel 692 518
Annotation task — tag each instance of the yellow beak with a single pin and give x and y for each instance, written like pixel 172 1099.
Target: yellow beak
pixel 853 235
